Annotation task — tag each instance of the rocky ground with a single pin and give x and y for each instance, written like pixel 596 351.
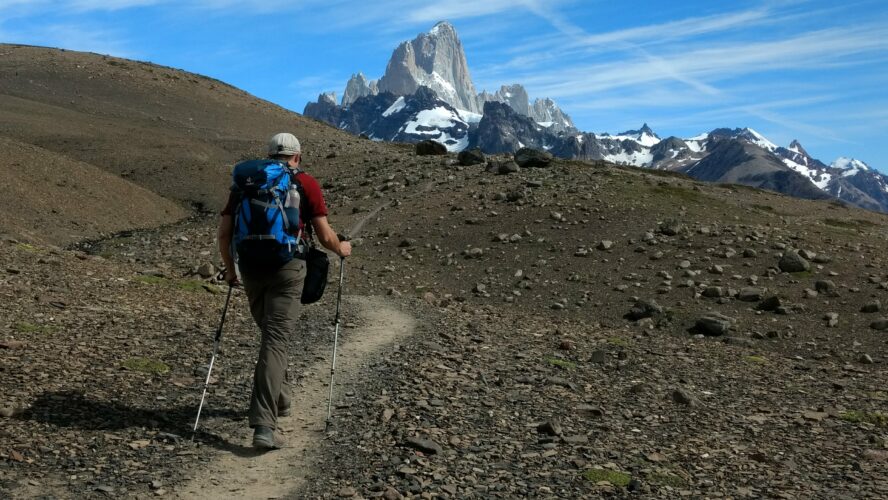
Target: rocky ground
pixel 583 330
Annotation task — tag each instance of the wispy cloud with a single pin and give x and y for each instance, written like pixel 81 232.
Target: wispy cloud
pixel 461 9
pixel 717 63
pixel 87 38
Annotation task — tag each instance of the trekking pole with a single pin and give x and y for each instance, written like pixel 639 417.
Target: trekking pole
pixel 335 341
pixel 212 360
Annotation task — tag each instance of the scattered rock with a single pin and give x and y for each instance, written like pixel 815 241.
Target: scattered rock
pixel 426 446
pixel 550 428
pixel 206 270
pixel 832 319
pixel 792 262
pixel 750 294
pixel 682 397
pixel 825 287
pixel 714 324
pixel 771 303
pixel 346 492
pixel 472 156
pixel 872 307
pixel 644 309
pixel 879 324
pixel 672 227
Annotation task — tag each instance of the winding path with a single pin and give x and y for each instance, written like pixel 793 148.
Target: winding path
pixel 247 474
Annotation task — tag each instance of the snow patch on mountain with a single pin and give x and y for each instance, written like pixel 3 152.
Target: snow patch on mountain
pixel 644 139
pixel 760 140
pixel 850 165
pixel 469 117
pixel 820 179
pixel 643 158
pixel 434 123
pixel 394 108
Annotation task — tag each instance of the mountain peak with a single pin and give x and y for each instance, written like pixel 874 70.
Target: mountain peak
pixel 436 60
pixel 745 134
pixel 442 27
pixel 850 164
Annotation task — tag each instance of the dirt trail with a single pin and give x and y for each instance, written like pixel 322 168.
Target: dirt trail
pixel 246 474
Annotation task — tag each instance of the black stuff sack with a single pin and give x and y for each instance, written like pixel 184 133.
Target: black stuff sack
pixel 317 265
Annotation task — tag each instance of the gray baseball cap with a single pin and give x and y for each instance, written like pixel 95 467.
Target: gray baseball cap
pixel 284 144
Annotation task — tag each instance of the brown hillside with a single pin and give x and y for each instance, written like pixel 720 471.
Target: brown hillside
pixel 167 130
pixel 47 197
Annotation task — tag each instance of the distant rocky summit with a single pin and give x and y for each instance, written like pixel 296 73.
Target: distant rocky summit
pixel 427 93
pixel 436 60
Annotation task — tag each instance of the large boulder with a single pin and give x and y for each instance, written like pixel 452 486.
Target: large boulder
pixel 529 158
pixel 471 157
pixel 430 147
pixel 792 262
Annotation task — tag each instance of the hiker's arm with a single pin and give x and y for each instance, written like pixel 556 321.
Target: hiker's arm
pixel 224 234
pixel 327 237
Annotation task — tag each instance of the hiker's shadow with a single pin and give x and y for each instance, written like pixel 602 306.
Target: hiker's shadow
pixel 73 409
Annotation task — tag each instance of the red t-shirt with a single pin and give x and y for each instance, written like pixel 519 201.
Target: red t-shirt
pixel 311 204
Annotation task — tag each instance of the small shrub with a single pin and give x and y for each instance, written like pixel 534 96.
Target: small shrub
pixel 146 365
pixel 857 417
pixel 190 285
pixel 562 363
pixel 615 478
pixel 26 327
pixel 618 341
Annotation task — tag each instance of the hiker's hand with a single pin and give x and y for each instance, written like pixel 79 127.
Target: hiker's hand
pixel 345 249
pixel 231 277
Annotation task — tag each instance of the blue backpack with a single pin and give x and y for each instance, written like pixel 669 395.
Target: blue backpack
pixel 266 221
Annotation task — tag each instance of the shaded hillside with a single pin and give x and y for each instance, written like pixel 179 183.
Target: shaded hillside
pixel 737 162
pixel 172 132
pixel 48 197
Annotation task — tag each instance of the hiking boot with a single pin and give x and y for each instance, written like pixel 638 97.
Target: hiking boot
pixel 264 438
pixel 284 412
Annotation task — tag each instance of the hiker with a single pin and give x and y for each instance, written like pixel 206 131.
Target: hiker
pixel 273 289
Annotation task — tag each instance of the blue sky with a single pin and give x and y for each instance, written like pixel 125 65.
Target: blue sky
pixel 816 71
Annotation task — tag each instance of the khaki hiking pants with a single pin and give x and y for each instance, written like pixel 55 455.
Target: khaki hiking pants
pixel 274 302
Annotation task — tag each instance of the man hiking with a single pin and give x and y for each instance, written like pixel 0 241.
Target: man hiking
pixel 270 249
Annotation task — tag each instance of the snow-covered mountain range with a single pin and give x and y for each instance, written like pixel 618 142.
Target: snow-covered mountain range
pixel 427 93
